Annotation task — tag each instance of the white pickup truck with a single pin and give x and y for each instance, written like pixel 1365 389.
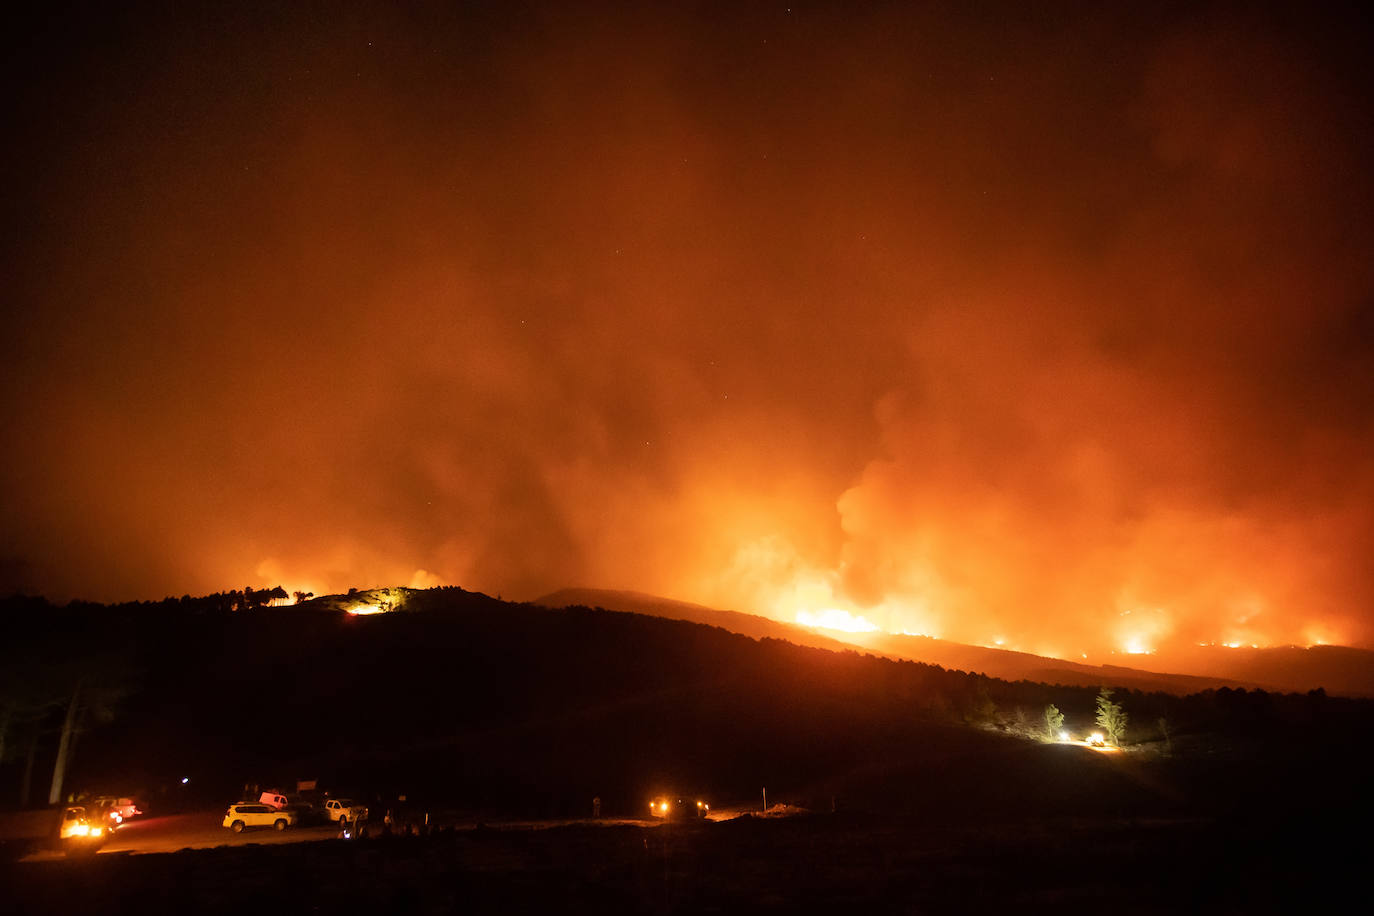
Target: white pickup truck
pixel 344 809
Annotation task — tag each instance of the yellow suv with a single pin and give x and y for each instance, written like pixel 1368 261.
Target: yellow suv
pixel 255 814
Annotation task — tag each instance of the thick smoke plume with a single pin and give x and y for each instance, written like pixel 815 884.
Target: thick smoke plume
pixel 1050 332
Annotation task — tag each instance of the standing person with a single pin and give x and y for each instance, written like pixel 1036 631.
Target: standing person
pixel 596 807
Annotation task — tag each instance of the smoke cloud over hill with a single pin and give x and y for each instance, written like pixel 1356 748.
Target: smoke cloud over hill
pixel 1058 333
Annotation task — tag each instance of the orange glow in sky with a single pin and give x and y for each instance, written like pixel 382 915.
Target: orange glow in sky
pixel 835 619
pixel 982 327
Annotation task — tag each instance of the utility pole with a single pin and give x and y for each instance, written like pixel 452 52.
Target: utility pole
pixel 765 799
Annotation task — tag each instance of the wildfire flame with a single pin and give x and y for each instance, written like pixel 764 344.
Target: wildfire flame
pixel 835 619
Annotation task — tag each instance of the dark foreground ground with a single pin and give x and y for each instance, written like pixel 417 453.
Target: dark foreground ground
pixel 810 863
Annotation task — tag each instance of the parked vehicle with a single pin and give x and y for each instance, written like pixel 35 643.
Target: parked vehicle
pixel 113 809
pixel 344 809
pixel 676 808
pixel 306 805
pixel 71 829
pixel 255 814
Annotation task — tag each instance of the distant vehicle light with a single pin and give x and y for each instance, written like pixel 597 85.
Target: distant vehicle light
pixel 1063 736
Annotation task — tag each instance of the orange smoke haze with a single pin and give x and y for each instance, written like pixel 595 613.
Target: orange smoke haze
pixel 1058 333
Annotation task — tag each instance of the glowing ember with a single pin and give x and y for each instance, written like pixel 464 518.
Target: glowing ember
pixel 835 619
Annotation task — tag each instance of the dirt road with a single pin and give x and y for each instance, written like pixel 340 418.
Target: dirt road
pixel 196 830
pixel 204 830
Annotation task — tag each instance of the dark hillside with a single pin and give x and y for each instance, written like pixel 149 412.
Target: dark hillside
pixel 517 709
pixel 1000 663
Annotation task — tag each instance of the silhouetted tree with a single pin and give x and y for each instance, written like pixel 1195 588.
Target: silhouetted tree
pixel 64 746
pixel 96 699
pixel 23 711
pixel 52 684
pixel 32 687
pixel 1168 739
pixel 982 709
pixel 1054 722
pixel 1111 718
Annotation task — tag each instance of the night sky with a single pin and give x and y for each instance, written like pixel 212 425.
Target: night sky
pixel 986 323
